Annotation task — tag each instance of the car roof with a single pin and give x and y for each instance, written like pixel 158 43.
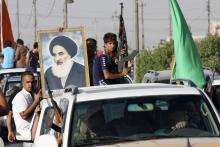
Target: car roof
pixel 14 71
pixel 14 78
pixel 129 90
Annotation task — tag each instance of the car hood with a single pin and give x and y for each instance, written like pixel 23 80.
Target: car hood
pixel 177 142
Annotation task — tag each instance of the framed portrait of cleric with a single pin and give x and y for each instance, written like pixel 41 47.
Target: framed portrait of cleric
pixel 63 59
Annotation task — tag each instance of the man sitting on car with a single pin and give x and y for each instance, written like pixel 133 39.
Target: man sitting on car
pixel 24 105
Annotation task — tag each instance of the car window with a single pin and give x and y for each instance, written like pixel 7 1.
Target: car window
pixel 139 118
pixel 48 117
pixel 11 85
pixel 216 96
pixel 11 89
pixel 218 91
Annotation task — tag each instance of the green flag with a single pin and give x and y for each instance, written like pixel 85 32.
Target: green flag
pixel 188 64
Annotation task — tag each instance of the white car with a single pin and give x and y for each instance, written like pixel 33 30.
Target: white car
pixel 150 114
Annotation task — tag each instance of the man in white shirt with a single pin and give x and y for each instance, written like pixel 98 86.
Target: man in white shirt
pixel 24 104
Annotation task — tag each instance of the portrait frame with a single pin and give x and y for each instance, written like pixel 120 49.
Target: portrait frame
pixel 44 38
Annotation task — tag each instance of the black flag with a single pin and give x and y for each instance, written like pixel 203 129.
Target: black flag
pixel 122 40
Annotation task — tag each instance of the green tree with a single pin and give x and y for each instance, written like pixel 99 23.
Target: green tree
pixel 209 48
pixel 161 57
pixel 157 59
pixel 144 63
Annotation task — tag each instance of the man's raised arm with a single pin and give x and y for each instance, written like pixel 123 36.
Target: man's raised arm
pixel 4 109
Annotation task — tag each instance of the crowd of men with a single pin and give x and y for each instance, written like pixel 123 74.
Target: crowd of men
pixel 24 109
pixel 20 56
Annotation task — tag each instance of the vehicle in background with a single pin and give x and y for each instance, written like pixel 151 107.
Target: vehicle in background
pixel 164 76
pixel 10 85
pixel 152 76
pixel 131 115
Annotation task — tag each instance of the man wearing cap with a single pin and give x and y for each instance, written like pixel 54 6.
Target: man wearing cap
pixel 64 71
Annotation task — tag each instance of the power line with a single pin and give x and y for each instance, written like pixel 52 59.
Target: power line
pixel 51 9
pixel 104 18
pixel 29 18
pixel 198 17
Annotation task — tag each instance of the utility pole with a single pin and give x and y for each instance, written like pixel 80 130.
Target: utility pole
pixel 137 25
pixel 142 21
pixel 136 40
pixel 65 12
pixel 18 23
pixel 114 20
pixel 95 28
pixel 208 9
pixel 35 20
pixel 170 27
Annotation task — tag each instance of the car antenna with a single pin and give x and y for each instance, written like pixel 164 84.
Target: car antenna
pixel 58 113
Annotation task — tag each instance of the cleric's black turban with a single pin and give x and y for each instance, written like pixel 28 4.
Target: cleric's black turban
pixel 66 43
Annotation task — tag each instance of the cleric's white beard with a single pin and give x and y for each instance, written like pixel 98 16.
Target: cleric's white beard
pixel 62 70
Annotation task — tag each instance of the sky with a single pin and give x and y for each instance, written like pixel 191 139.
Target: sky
pixel 101 16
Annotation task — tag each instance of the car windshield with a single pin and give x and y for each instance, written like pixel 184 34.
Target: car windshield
pixel 140 118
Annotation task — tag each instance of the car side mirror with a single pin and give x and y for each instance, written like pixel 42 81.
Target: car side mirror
pixel 47 120
pixel 46 141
